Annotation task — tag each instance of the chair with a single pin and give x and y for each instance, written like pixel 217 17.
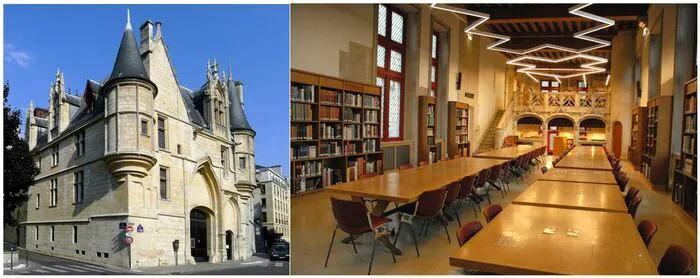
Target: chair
pixel 634 205
pixel 450 198
pixel 631 193
pixel 353 218
pixel 494 176
pixel 622 183
pixel 480 183
pixel 466 193
pixel 466 232
pixel 505 175
pixel 544 169
pixel 405 166
pixel 492 211
pixel 646 230
pixel 676 261
pixel 427 208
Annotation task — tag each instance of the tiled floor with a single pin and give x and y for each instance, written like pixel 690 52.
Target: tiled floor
pixel 312 226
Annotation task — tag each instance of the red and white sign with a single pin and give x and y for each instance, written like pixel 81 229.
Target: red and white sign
pixel 129 229
pixel 128 240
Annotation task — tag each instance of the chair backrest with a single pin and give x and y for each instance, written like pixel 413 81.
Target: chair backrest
pixel 646 231
pixel 452 191
pixel 430 202
pixel 350 215
pixel 368 175
pixel 483 175
pixel 467 231
pixel 634 205
pixel 633 191
pixel 466 187
pixel 544 169
pixel 676 261
pixel 622 183
pixel 491 212
pixel 495 172
pixel 405 166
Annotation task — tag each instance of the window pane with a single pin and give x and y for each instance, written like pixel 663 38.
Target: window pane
pixel 432 73
pixel 380 83
pixel 395 61
pixel 394 109
pixel 381 55
pixel 396 27
pixel 381 21
pixel 434 47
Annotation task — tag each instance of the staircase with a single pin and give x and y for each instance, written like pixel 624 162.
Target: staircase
pixel 489 141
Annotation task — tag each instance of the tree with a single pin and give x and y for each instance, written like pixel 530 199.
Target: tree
pixel 269 237
pixel 20 169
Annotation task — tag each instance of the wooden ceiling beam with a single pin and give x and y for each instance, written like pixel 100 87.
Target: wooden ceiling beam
pixel 563 19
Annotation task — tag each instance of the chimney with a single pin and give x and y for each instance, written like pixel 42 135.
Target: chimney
pixel 239 92
pixel 146 35
pixel 158 33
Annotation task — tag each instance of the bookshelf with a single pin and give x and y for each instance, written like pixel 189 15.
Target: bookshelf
pixel 656 156
pixel 427 131
pixel 458 129
pixel 334 131
pixel 684 177
pixel 639 132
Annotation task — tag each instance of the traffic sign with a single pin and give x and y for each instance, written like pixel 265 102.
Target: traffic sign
pixel 139 229
pixel 122 225
pixel 128 240
pixel 130 229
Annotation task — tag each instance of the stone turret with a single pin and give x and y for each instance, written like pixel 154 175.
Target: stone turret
pixel 129 122
pixel 244 135
pixel 58 109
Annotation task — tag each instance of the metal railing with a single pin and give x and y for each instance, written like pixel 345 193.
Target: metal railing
pixel 15 257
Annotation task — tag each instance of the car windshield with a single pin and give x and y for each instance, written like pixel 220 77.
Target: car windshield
pixel 280 248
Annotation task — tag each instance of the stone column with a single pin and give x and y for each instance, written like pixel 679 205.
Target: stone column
pixel 622 93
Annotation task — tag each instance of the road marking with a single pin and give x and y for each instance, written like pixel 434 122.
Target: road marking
pixel 95 268
pixel 255 262
pixel 40 271
pixel 279 264
pixel 53 269
pixel 70 268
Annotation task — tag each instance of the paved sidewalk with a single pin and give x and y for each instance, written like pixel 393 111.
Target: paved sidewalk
pixel 202 266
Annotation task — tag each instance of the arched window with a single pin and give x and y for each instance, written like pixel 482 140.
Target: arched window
pixel 390 70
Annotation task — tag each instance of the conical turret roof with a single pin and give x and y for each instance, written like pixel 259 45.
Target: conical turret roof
pixel 128 63
pixel 237 115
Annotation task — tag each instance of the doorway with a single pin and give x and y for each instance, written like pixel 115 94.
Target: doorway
pixel 229 245
pixel 198 235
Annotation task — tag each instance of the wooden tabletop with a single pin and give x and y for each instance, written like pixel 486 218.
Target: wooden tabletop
pixel 579 175
pixel 515 243
pixel 586 157
pixel 406 185
pixel 573 195
pixel 508 152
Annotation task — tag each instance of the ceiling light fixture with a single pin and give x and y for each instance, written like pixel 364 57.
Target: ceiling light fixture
pixel 645 32
pixel 607 80
pixel 469 36
pixel 533 78
pixel 584 81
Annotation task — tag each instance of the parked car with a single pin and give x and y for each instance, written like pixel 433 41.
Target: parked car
pixel 279 251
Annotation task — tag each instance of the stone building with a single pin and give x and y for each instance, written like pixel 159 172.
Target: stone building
pixel 274 193
pixel 139 148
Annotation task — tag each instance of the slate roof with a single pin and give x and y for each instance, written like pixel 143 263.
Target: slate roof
pixel 237 116
pixel 128 63
pixel 192 111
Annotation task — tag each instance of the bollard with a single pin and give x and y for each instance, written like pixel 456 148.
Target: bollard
pixel 26 257
pixel 12 249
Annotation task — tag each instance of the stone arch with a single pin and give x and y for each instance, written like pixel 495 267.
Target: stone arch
pixel 525 115
pixel 561 115
pixel 232 223
pixel 203 179
pixel 597 117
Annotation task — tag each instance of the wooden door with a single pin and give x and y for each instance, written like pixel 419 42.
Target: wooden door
pixel 617 139
pixel 198 235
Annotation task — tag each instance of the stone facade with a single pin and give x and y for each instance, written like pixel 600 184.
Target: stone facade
pixel 274 193
pixel 144 150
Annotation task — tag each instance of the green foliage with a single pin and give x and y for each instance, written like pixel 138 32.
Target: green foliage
pixel 20 169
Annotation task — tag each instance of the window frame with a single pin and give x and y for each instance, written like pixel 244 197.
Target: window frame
pixel 164 130
pixel 55 155
pixel 388 75
pixel 52 235
pixel 78 186
pixel 38 201
pixel 53 196
pixel 164 179
pixel 75 234
pixel 225 160
pixel 434 63
pixel 144 125
pixel 80 142
pixel 242 163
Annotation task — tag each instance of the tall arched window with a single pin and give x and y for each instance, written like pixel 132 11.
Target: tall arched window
pixel 390 70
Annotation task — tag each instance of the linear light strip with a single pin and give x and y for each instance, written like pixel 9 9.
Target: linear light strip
pixel 529 69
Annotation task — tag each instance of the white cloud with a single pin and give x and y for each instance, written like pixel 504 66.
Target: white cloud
pixel 16 56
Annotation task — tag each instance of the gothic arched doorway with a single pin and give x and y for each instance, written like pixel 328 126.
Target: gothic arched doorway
pixel 198 235
pixel 229 245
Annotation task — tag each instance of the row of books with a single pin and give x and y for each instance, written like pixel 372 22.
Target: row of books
pixel 352 132
pixel 431 131
pixel 331 131
pixel 353 100
pixel 374 166
pixel 352 147
pixel 463 121
pixel 689 144
pixel 330 97
pixel 691 105
pixel 302 93
pixel 690 123
pixel 463 113
pixel 303 151
pixel 371 131
pixel 355 168
pixel 307 168
pixel 371 102
pixel 301 112
pixel 371 116
pixel 431 115
pixel 461 139
pixel 331 176
pixel 302 132
pixel 371 145
pixel 306 185
pixel 688 166
pixel 351 115
pixel 432 157
pixel 329 149
pixel 329 113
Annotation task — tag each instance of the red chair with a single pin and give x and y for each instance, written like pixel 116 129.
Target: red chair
pixel 427 208
pixel 450 200
pixel 631 193
pixel 405 166
pixel 622 182
pixel 494 176
pixel 647 230
pixel 505 175
pixel 634 205
pixel 492 211
pixel 353 218
pixel 676 261
pixel 466 193
pixel 466 232
pixel 480 183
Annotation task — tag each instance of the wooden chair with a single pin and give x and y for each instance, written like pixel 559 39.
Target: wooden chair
pixel 494 177
pixel 676 261
pixel 647 230
pixel 480 183
pixel 353 218
pixel 466 193
pixel 634 205
pixel 427 208
pixel 466 232
pixel 450 200
pixel 492 211
pixel 631 193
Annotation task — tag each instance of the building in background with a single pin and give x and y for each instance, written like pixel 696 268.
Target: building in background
pixel 139 150
pixel 274 190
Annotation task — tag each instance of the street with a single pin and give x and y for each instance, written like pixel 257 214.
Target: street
pixel 47 265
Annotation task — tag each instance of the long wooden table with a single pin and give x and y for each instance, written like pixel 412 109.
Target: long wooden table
pixel 515 243
pixel 586 157
pixel 579 175
pixel 508 152
pixel 573 195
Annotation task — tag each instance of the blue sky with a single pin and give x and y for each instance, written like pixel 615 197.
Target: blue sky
pixel 82 40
